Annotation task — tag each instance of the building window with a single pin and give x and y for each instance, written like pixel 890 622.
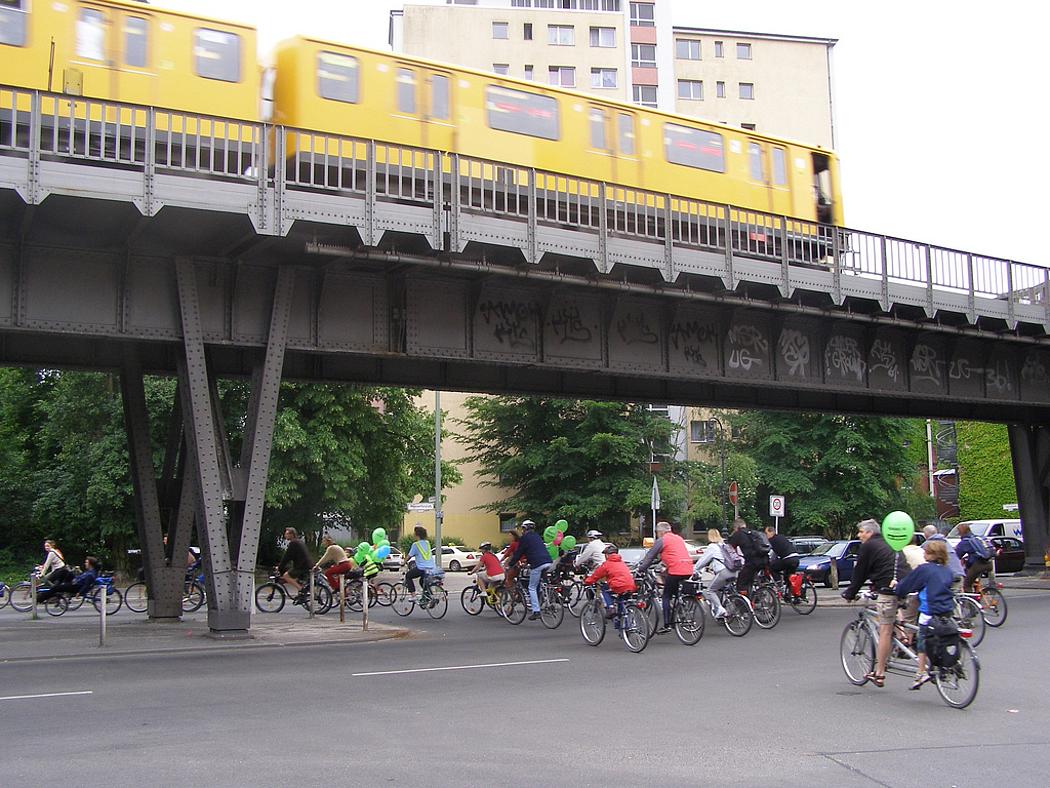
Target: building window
pixel 691 89
pixel 562 76
pixel 643 15
pixel 685 49
pixel 508 521
pixel 406 91
pixel 501 30
pixel 526 31
pixel 135 32
pixel 217 55
pixel 337 77
pixel 747 90
pixel 743 51
pixel 719 49
pixel 747 126
pixel 603 36
pixel 13 17
pixel 501 68
pixel 598 129
pixel 561 35
pixel 529 72
pixel 625 133
pixel 643 55
pixel 720 89
pixel 702 431
pixel 644 95
pixel 603 77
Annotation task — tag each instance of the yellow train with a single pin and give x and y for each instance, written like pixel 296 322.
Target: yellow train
pixel 130 52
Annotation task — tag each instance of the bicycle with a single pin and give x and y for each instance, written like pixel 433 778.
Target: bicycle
pixel 381 594
pixel 764 601
pixel 5 594
pixel 739 614
pixel 514 598
pixel 991 601
pixel 552 606
pixel 22 597
pixel 433 597
pixel 627 617
pixel 136 596
pixel 474 600
pixel 271 596
pixel 687 615
pixel 957 684
pixel 803 603
pixel 967 612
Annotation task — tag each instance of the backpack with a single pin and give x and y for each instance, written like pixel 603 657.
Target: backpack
pixel 759 545
pixel 942 642
pixel 731 558
pixel 980 548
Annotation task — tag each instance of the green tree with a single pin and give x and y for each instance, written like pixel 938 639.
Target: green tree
pixel 986 474
pixel 585 461
pixel 705 490
pixel 834 469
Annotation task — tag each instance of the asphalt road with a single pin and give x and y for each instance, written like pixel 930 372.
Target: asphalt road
pixel 772 708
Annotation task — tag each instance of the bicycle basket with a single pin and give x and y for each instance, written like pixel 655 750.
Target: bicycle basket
pixel 690 587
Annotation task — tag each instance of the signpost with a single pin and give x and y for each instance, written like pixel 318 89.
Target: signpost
pixel 654 500
pixel 777 509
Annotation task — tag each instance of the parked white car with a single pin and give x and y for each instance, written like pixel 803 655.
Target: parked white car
pixel 455 557
pixel 988 529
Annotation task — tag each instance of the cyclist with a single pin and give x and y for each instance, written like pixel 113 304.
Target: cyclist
pixel 974 555
pixel 617 576
pixel 933 582
pixel 53 560
pixel 423 555
pixel 532 548
pixel 65 582
pixel 670 548
pixel 878 563
pixel 714 557
pixel 295 563
pixel 932 534
pixel 755 555
pixel 593 553
pixel 334 561
pixel 488 570
pixel 786 557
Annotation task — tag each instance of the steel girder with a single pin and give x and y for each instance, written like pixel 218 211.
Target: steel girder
pixel 1030 451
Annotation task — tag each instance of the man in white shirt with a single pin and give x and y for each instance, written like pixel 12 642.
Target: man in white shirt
pixel 592 555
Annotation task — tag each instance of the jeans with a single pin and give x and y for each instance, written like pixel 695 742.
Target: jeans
pixel 671 585
pixel 412 573
pixel 711 592
pixel 535 574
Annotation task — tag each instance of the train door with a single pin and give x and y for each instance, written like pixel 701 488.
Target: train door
pixel 779 183
pixel 601 143
pixel 628 161
pixel 823 191
pixel 424 98
pixel 111 53
pixel 758 174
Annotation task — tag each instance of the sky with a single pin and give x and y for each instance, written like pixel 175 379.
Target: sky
pixel 938 106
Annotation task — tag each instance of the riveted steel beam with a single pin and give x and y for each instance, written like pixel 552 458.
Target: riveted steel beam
pixel 1030 451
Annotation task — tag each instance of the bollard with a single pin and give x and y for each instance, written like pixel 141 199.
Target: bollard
pixel 32 590
pixel 342 599
pixel 310 599
pixel 364 604
pixel 103 604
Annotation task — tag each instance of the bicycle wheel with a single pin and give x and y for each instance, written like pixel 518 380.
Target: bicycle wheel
pixel 192 597
pixel 513 606
pixel 5 595
pixel 688 621
pixel 270 598
pixel 552 612
pixel 993 607
pixel 403 603
pixel 56 605
pixel 738 618
pixel 592 622
pixel 22 597
pixel 353 595
pixel 76 601
pixel 650 606
pixel 385 594
pixel 858 652
pixel 806 601
pixel 767 607
pixel 136 597
pixel 322 601
pixel 958 684
pixel 968 614
pixel 438 602
pixel 114 599
pixel 634 630
pixel 472 601
pixel 574 598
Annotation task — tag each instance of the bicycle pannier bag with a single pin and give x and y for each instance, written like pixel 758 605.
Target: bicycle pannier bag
pixel 942 642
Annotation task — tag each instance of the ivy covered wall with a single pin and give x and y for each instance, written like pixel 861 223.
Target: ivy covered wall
pixel 986 472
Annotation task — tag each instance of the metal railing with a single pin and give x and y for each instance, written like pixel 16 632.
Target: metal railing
pixel 34 124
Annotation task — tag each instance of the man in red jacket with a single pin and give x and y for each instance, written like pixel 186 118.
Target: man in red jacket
pixel 615 573
pixel 670 548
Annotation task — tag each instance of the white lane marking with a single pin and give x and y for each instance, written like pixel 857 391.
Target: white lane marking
pixel 462 667
pixel 46 695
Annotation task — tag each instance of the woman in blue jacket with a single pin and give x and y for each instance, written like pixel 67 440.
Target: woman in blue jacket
pixel 933 581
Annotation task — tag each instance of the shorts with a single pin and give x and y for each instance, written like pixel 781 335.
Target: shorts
pixel 487 578
pixel 886 606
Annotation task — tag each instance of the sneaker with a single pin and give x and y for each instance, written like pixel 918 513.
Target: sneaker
pixel 663 630
pixel 720 617
pixel 533 616
pixel 920 679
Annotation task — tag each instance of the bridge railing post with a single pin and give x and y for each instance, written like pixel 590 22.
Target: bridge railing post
pixel 1010 295
pixel 149 165
pixel 33 164
pixel 836 264
pixel 971 291
pixel 785 258
pixel 885 263
pixel 370 193
pixel 929 280
pixel 533 218
pixel 1046 295
pixel 729 279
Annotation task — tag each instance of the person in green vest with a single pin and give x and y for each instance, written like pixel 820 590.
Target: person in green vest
pixel 422 554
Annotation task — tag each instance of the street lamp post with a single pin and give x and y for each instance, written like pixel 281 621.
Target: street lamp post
pixel 722 458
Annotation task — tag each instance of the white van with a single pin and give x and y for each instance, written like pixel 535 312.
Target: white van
pixel 989 528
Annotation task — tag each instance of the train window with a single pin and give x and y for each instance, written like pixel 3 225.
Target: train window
pixel 13 22
pixel 439 98
pixel 217 54
pixel 780 173
pixel 136 31
pixel 337 77
pixel 625 133
pixel 522 113
pixel 406 91
pixel 598 129
pixel 91 34
pixel 754 156
pixel 704 150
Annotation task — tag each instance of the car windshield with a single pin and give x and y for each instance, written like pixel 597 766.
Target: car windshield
pixel 829 548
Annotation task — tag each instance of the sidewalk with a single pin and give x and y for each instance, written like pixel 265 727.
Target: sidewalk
pixel 77 637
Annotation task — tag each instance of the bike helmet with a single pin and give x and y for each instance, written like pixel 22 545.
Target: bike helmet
pixel 610 549
pixel 485 546
pixel 528 525
pixel 593 534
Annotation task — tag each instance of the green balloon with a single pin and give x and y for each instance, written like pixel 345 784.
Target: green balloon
pixel 552 550
pixel 898 529
pixel 378 535
pixel 549 533
pixel 561 525
pixel 568 543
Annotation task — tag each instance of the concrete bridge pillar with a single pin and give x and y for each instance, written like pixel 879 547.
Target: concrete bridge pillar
pixel 1030 450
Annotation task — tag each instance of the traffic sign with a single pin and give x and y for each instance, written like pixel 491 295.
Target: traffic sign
pixel 777 506
pixel 425 506
pixel 734 493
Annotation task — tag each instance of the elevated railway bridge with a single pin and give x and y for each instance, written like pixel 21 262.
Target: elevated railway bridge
pixel 144 240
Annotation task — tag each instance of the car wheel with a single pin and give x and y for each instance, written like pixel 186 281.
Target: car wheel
pixel 454 566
